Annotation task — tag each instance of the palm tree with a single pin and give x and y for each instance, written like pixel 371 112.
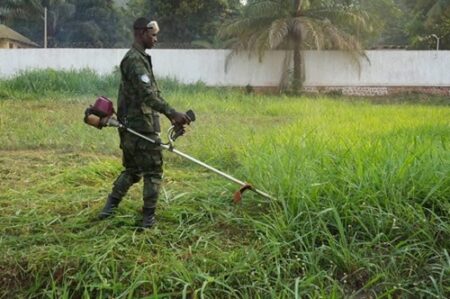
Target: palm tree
pixel 296 25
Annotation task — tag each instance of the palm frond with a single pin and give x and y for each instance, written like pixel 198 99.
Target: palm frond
pixel 243 26
pixel 278 32
pixel 344 16
pixel 267 8
pixel 237 47
pixel 262 44
pixel 258 43
pixel 339 39
pixel 311 32
pixel 203 44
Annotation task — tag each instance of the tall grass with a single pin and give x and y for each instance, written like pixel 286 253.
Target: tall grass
pixel 362 205
pixel 49 83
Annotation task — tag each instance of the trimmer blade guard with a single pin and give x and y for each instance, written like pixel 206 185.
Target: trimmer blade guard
pixel 237 198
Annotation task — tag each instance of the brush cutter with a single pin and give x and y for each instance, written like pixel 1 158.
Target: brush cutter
pixel 102 114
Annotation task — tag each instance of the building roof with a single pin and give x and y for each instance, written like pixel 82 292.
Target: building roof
pixel 8 33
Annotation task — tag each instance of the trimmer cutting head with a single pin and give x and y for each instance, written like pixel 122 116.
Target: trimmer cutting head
pixel 237 198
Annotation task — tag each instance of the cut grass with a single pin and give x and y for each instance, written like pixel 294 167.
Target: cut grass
pixel 362 210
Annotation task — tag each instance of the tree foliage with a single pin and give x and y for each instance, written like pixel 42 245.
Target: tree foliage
pixel 86 23
pixel 28 17
pixel 411 23
pixel 185 21
pixel 387 20
pixel 429 18
pixel 99 23
pixel 96 23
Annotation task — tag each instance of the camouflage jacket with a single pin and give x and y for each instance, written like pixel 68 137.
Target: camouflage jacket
pixel 139 98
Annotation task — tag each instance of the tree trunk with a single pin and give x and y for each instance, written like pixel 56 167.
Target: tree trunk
pixel 298 78
pixel 297 37
pixel 298 7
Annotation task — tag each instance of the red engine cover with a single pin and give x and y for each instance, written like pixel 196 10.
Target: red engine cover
pixel 104 106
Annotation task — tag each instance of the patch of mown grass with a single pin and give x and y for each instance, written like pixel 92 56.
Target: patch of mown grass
pixel 362 203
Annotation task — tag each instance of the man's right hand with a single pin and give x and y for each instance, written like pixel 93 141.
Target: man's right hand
pixel 179 119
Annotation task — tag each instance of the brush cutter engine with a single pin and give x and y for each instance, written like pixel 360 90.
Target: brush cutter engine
pixel 101 114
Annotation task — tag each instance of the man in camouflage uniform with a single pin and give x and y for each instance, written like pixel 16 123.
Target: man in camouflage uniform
pixel 139 102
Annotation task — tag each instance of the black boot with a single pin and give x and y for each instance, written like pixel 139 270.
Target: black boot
pixel 108 210
pixel 149 217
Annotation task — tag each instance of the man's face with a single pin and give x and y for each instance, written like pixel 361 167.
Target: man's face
pixel 149 38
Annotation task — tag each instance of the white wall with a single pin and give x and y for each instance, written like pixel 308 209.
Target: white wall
pixel 323 68
pixel 101 60
pixel 383 68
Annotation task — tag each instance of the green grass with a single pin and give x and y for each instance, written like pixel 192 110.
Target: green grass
pixel 362 194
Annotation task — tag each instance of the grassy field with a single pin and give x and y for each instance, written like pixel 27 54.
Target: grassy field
pixel 362 189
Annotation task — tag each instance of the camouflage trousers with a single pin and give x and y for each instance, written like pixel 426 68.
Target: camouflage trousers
pixel 141 159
